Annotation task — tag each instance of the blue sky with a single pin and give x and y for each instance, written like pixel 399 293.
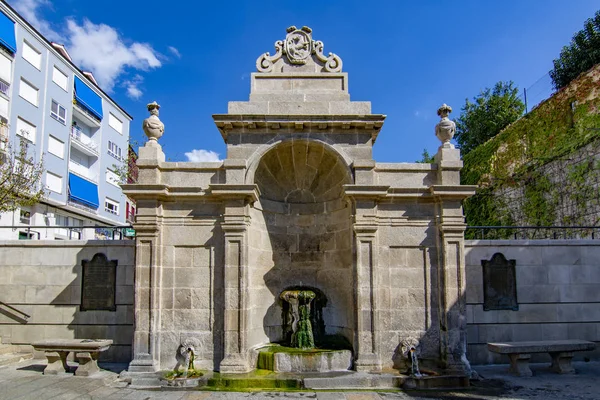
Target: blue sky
pixel 406 57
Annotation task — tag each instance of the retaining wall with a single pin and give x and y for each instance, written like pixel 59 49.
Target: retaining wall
pixel 42 278
pixel 558 291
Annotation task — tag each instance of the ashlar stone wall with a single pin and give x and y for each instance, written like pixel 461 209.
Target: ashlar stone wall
pixel 43 279
pixel 557 294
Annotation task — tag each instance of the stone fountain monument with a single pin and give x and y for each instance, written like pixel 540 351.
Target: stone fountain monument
pixel 298 202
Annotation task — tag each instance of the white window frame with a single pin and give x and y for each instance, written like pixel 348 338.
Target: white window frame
pixel 112 177
pixel 115 206
pixel 53 147
pixel 29 135
pixel 21 218
pixel 115 123
pixel 26 90
pixel 60 78
pixel 32 55
pixel 56 114
pixel 114 150
pixel 57 179
pixel 5 62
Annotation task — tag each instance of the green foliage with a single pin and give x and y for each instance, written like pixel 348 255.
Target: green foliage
pixel 20 177
pixel 580 55
pixel 492 110
pixel 541 170
pixel 426 158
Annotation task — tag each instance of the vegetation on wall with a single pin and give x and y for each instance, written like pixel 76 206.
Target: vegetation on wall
pixel 490 112
pixel 544 168
pixel 580 55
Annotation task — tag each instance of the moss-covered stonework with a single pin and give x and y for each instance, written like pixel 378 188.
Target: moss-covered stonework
pixel 544 168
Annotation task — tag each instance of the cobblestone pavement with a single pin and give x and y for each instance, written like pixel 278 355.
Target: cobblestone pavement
pixel 26 381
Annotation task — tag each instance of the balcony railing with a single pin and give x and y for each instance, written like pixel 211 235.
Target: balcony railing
pixel 85 111
pixel 3 137
pixel 81 138
pixel 4 88
pixel 82 206
pixel 83 171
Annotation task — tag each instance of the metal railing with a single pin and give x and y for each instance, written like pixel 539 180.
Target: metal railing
pixel 82 206
pixel 4 87
pixel 27 316
pixel 80 137
pixel 100 232
pixel 532 232
pixel 87 112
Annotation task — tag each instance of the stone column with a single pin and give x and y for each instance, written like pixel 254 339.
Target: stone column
pixel 449 194
pixel 236 219
pixel 366 344
pixel 147 285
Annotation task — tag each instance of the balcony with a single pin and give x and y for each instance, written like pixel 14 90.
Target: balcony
pixel 85 115
pixel 81 206
pixel 3 136
pixel 4 87
pixel 83 171
pixel 83 142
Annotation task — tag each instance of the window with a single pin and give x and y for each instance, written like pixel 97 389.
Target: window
pixel 54 182
pixel 28 92
pixel 56 147
pixel 32 56
pixel 115 123
pixel 112 178
pixel 5 70
pixel 25 217
pixel 58 112
pixel 114 150
pixel 3 107
pixel 111 206
pixel 25 129
pixel 60 78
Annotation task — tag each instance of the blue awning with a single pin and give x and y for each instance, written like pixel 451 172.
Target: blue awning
pixel 88 98
pixel 7 33
pixel 83 191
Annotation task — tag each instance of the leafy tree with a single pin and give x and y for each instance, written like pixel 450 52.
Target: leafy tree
pixel 492 110
pixel 20 177
pixel 580 55
pixel 426 158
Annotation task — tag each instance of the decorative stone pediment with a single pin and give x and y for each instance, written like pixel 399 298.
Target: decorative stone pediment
pixel 299 53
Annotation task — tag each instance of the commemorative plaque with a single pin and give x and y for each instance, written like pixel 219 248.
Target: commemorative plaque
pixel 98 285
pixel 499 284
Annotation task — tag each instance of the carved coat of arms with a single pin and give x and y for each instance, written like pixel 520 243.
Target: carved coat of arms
pixel 298 44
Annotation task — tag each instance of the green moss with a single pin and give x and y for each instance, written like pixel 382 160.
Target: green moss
pixel 255 380
pixel 505 166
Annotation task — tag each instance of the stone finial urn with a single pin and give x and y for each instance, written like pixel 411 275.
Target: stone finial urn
pixel 446 128
pixel 153 127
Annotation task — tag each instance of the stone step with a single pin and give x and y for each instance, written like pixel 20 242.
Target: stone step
pixel 6 348
pixel 355 380
pixel 13 358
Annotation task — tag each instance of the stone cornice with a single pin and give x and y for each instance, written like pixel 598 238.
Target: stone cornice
pixel 452 192
pixel 290 124
pixel 173 193
pixel 366 191
pixel 224 191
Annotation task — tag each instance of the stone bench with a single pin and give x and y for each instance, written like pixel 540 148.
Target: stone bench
pixel 561 352
pixel 86 351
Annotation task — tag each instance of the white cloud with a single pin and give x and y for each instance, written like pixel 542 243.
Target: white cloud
pixel 201 155
pixel 29 9
pixel 98 48
pixel 133 86
pixel 175 52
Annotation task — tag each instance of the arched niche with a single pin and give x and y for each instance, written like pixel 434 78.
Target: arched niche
pixel 300 236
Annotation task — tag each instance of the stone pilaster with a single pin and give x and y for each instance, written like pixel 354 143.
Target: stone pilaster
pixel 236 219
pixel 367 356
pixel 449 194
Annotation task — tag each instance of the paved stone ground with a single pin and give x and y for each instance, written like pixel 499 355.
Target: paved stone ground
pixel 25 381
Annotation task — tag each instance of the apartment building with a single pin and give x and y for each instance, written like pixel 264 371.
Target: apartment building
pixel 78 131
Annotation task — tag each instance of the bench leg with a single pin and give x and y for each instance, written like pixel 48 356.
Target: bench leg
pixel 519 364
pixel 561 363
pixel 88 363
pixel 57 362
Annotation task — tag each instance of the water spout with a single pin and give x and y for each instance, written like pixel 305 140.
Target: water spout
pixel 299 300
pixel 414 371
